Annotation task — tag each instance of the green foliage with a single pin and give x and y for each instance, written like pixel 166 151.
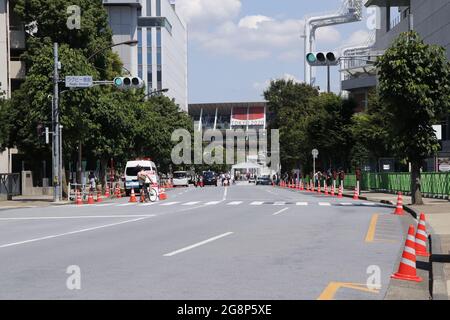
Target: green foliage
pixel 414 85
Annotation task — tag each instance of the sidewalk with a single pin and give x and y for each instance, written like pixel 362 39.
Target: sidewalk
pixel 437 213
pixel 29 202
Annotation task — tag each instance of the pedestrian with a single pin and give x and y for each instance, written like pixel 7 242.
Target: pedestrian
pixel 91 181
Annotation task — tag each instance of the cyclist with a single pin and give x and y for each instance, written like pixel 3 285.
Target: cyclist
pixel 144 179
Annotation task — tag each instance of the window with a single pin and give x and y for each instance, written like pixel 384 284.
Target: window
pixel 149 78
pixel 158 8
pixel 158 56
pixel 149 8
pixel 159 78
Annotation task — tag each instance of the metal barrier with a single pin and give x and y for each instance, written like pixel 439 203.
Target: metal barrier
pixel 433 184
pixel 10 185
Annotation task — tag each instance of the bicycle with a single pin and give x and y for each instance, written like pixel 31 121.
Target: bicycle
pixel 150 193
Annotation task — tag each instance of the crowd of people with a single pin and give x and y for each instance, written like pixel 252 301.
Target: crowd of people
pixel 329 176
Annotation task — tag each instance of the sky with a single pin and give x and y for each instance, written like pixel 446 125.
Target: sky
pixel 236 47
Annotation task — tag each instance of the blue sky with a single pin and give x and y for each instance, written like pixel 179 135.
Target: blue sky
pixel 237 46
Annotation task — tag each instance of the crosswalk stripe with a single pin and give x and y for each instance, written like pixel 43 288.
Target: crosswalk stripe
pixel 234 203
pixel 301 203
pixel 147 204
pixel 211 203
pixel 190 203
pixel 169 204
pixel 126 204
pixel 256 203
pixel 324 204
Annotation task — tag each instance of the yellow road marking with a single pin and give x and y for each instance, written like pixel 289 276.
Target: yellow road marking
pixel 333 287
pixel 372 228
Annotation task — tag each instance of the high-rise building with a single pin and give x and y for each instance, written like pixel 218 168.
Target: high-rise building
pixel 160 58
pixel 12 70
pixel 431 19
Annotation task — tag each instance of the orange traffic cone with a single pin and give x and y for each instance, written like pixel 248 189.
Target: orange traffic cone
pixel 107 192
pixel 78 200
pixel 119 192
pixel 340 192
pixel 90 199
pixel 313 187
pixel 319 189
pixel 302 187
pixel 356 194
pixel 399 209
pixel 407 269
pixel 162 194
pixel 326 190
pixel 333 193
pixel 132 196
pixel 99 197
pixel 421 238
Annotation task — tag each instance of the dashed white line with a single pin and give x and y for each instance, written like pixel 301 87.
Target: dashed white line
pixel 192 203
pixel 211 203
pixel 324 204
pixel 279 203
pixel 256 203
pixel 281 211
pixel 69 233
pixel 198 244
pixel 169 204
pixel 234 203
pixel 301 203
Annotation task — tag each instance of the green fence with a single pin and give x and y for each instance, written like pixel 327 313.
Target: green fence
pixel 432 184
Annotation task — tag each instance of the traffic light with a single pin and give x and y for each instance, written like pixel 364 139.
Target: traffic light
pixel 318 59
pixel 126 83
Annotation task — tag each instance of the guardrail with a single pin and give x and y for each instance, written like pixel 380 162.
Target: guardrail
pixel 10 185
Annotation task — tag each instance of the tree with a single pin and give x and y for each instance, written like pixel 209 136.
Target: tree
pixel 291 104
pixel 414 84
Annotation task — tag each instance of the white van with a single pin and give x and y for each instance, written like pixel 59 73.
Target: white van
pixel 180 179
pixel 131 171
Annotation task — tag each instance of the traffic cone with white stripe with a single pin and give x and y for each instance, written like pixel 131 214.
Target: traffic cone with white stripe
pixel 333 193
pixel 319 189
pixel 399 209
pixel 99 197
pixel 340 195
pixel 302 188
pixel 107 192
pixel 78 201
pixel 313 187
pixel 90 198
pixel 421 238
pixel 132 196
pixel 326 189
pixel 356 194
pixel 407 269
pixel 162 194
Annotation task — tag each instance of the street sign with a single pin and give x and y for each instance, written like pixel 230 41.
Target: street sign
pixel 315 153
pixel 79 81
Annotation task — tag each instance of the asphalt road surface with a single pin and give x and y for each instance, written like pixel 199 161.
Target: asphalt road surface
pixel 241 242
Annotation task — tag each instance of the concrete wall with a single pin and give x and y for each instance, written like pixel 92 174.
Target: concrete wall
pixel 174 56
pixel 123 22
pixel 4 47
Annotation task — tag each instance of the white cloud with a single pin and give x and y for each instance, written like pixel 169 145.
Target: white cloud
pixel 265 84
pixel 215 27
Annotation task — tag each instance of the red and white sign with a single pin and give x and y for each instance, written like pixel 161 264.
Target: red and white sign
pixel 253 116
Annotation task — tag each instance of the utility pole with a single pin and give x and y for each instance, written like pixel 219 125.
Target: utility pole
pixel 56 129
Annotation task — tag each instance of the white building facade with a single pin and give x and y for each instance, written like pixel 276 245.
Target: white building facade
pixel 160 58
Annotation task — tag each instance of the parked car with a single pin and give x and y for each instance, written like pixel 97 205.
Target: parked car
pixel 131 171
pixel 180 179
pixel 209 178
pixel 263 180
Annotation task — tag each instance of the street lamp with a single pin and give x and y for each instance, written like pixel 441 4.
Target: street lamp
pixel 129 43
pixel 156 92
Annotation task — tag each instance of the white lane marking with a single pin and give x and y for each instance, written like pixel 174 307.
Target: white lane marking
pixel 211 203
pixel 191 203
pixel 324 204
pixel 279 203
pixel 281 211
pixel 225 192
pixel 169 204
pixel 147 204
pixel 346 204
pixel 79 217
pixel 198 244
pixel 105 205
pixel 234 203
pixel 69 233
pixel 368 204
pixel 302 203
pixel 126 204
pixel 256 203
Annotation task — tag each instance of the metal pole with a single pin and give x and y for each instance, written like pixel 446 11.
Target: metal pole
pixel 56 165
pixel 60 163
pixel 314 171
pixel 328 79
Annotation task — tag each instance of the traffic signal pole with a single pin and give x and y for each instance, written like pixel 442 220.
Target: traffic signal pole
pixel 56 129
pixel 328 79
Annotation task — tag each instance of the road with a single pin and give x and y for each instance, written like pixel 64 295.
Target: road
pixel 242 242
